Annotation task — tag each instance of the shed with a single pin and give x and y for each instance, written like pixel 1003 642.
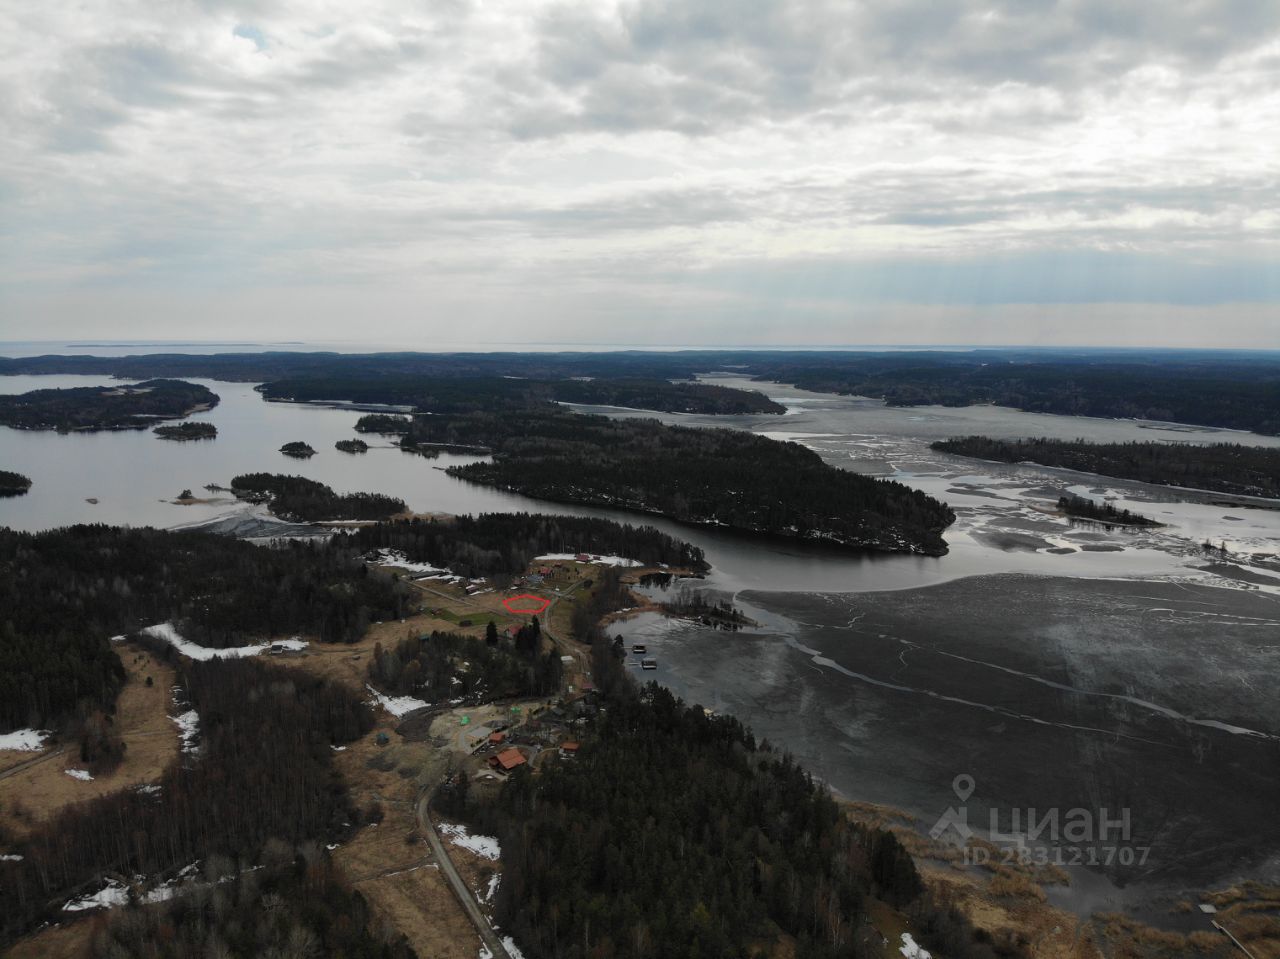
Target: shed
pixel 569 748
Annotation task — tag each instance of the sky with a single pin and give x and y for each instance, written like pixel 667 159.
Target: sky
pixel 700 173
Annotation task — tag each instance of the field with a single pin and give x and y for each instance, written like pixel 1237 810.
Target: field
pixel 34 792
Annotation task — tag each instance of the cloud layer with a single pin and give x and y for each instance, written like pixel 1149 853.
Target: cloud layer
pixel 881 171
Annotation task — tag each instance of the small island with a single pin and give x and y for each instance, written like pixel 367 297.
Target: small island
pixel 130 406
pixel 307 501
pixel 351 446
pixel 383 423
pixel 298 450
pixel 13 484
pixel 1081 507
pixel 187 431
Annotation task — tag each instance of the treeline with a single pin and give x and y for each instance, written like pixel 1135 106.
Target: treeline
pixel 675 833
pixel 1232 392
pixel 714 477
pixel 495 543
pixel 13 484
pixel 1234 389
pixel 1221 467
pixel 187 431
pixel 126 407
pixel 447 666
pixel 263 777
pixel 463 394
pixel 296 906
pixel 382 423
pixel 1082 507
pixel 307 500
pixel 64 592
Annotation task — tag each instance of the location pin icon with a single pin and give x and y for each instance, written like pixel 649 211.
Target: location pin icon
pixel 963 786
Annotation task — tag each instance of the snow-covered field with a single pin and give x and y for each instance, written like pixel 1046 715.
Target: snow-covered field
pixel 394 557
pixel 24 740
pixel 170 635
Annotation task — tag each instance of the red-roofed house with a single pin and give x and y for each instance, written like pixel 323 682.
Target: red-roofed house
pixel 507 760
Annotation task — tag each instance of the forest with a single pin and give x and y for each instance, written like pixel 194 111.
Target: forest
pixel 448 666
pixel 715 477
pixel 298 450
pixel 13 484
pixel 65 591
pixel 133 406
pixel 187 431
pixel 1231 389
pixel 675 833
pixel 296 905
pixel 1220 467
pixel 351 446
pixel 1081 507
pixel 463 394
pixel 262 786
pixel 497 543
pixel 307 501
pixel 382 423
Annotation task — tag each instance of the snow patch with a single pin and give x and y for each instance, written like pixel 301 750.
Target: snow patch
pixel 514 952
pixel 81 774
pixel 910 950
pixel 24 740
pixel 10 857
pixel 166 632
pixel 593 558
pixel 486 847
pixel 396 705
pixel 494 880
pixel 188 724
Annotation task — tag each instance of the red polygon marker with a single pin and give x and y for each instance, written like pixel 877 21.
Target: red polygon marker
pixel 526 603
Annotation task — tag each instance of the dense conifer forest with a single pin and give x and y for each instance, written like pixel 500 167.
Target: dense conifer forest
pixel 478 546
pixel 294 907
pixel 675 833
pixel 13 484
pixel 1236 390
pixel 261 785
pixel 298 450
pixel 1221 467
pixel 1081 507
pixel 187 431
pixel 65 592
pixel 307 500
pixel 714 477
pixel 455 394
pixel 129 406
pixel 351 446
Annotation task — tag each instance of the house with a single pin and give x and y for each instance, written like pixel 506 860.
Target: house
pixel 497 739
pixel 582 558
pixel 507 760
pixel 569 749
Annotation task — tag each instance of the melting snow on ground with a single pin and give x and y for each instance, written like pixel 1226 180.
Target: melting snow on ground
pixel 910 950
pixel 188 724
pixel 486 847
pixel 514 952
pixel 81 774
pixel 10 857
pixel 394 557
pixel 601 560
pixel 166 632
pixel 396 705
pixel 494 880
pixel 24 740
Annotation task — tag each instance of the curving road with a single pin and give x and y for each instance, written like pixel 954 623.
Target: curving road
pixel 469 905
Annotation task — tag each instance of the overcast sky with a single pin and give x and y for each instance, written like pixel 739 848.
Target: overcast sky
pixel 457 172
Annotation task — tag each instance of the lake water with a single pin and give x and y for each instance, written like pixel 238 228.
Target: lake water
pixel 1057 664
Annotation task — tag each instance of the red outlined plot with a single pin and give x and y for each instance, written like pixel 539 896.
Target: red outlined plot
pixel 526 603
